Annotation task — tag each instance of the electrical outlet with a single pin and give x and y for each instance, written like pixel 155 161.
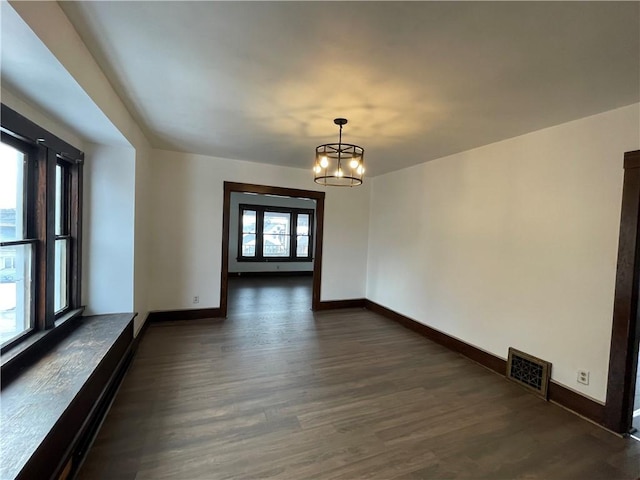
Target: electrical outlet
pixel 196 299
pixel 583 377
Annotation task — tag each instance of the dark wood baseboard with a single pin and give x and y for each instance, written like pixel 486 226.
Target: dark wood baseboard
pixel 576 402
pixel 335 304
pixel 485 359
pixel 138 338
pixel 191 314
pixel 559 394
pixel 278 273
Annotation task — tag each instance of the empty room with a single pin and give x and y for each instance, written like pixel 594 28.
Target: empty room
pixel 319 240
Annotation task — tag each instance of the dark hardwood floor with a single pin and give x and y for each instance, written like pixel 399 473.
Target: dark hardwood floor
pixel 269 294
pixel 343 394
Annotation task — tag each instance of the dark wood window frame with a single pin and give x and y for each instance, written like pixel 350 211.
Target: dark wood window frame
pixel 45 152
pixel 67 220
pixel 261 210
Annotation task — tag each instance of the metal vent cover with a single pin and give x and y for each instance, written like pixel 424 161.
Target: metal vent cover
pixel 529 371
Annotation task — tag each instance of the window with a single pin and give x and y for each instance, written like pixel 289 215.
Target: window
pixel 40 192
pixel 17 251
pixel 63 237
pixel 274 234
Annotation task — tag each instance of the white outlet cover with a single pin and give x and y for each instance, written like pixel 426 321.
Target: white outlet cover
pixel 583 377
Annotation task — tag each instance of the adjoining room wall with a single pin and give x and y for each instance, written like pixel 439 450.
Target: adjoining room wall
pixel 186 228
pixel 238 198
pixel 512 244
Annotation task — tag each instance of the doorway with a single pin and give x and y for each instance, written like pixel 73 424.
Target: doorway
pixel 625 335
pixel 271 253
pixel 318 197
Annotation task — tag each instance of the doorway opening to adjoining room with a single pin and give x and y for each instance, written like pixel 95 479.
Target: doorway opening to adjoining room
pixel 622 385
pixel 271 232
pixel 271 253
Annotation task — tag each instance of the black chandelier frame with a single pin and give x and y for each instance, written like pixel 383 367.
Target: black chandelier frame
pixel 339 164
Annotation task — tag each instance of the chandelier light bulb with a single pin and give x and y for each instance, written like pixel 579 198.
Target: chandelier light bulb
pixel 360 170
pixel 339 173
pixel 354 163
pixel 317 168
pixel 324 163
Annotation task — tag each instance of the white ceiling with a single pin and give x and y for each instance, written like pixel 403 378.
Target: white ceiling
pixel 262 81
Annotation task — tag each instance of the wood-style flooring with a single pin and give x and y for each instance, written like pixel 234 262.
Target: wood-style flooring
pixel 345 394
pixel 268 295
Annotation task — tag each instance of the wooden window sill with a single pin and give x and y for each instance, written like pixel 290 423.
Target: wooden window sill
pixel 48 405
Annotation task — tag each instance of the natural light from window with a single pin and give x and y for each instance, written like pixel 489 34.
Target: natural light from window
pixel 276 234
pixel 15 258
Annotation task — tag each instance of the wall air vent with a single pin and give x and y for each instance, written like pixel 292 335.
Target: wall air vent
pixel 529 371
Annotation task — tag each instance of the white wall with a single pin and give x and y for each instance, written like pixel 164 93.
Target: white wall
pixel 186 228
pixel 108 227
pixel 511 244
pixel 236 199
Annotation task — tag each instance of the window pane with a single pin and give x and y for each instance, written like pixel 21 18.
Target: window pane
pixel 12 173
pixel 61 273
pixel 276 230
pixel 302 239
pixel 303 224
pixel 277 223
pixel 249 221
pixel 302 246
pixel 59 197
pixel 15 290
pixel 276 246
pixel 249 245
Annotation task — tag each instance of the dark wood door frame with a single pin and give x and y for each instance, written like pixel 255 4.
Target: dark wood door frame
pixel 230 187
pixel 625 336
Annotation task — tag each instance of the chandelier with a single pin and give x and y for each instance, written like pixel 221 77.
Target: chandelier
pixel 339 164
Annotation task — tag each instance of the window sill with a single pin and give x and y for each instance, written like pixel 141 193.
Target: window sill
pixel 51 409
pixel 31 348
